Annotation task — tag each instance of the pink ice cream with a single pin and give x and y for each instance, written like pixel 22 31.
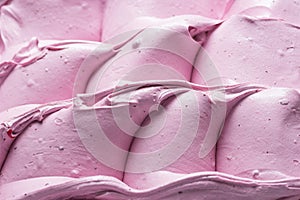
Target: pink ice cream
pixel 118 14
pixel 29 71
pixel 21 20
pixel 238 55
pixel 264 145
pixel 64 122
pixel 287 11
pixel 190 118
pixel 145 100
pixel 155 59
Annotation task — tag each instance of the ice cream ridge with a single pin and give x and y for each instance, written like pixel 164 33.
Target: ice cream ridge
pixel 149 100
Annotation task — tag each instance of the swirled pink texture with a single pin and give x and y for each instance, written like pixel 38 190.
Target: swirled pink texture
pixel 40 140
pixel 69 124
pixel 190 118
pixel 139 115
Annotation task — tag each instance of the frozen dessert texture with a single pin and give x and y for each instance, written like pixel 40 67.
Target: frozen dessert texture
pixel 22 20
pixel 153 99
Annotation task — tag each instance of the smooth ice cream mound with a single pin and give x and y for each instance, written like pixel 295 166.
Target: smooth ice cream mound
pixel 149 100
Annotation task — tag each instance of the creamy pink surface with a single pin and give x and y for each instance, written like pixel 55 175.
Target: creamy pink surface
pixel 261 135
pixel 181 113
pixel 119 13
pixel 197 186
pixel 152 54
pixel 45 71
pixel 165 137
pixel 38 153
pixel 287 11
pixel 164 66
pixel 264 51
pixel 21 20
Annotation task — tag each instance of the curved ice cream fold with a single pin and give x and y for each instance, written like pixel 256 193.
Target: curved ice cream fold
pixel 59 137
pixel 203 185
pixel 181 135
pixel 107 120
pixel 118 14
pixel 133 57
pixel 201 25
pixel 13 126
pixel 237 54
pixel 170 55
pixel 152 106
pixel 45 71
pixel 141 14
pixel 21 20
pixel 269 121
pixel 70 133
pixel 27 55
pixel 255 8
pixel 223 101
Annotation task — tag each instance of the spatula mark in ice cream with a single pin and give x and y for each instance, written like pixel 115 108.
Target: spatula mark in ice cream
pixel 133 82
pixel 36 50
pixel 96 60
pixel 102 140
pixel 128 88
pixel 25 56
pixel 12 128
pixel 123 95
pixel 158 92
